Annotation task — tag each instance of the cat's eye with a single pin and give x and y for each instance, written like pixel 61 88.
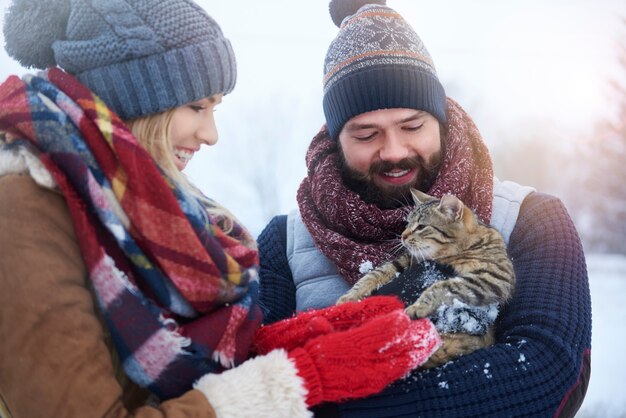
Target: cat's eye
pixel 420 227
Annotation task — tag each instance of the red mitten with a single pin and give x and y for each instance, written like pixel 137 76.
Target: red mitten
pixel 363 360
pixel 296 331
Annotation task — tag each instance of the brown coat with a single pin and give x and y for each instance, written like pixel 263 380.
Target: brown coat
pixel 55 357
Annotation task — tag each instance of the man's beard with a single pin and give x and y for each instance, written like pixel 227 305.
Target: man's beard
pixel 390 197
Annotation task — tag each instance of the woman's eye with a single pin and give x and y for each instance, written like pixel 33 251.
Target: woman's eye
pixel 196 108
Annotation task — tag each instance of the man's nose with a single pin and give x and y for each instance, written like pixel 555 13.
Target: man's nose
pixel 393 149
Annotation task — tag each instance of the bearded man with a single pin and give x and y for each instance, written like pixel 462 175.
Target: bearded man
pixel 390 127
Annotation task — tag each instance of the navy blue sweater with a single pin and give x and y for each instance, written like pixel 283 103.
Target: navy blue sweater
pixel 540 364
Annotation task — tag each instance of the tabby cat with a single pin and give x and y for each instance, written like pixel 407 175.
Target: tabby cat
pixel 448 233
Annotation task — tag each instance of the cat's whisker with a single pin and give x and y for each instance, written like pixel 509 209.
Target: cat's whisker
pixel 397 248
pixel 407 207
pixel 421 253
pixel 401 203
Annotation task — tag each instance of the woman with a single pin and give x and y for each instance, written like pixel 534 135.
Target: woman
pixel 125 291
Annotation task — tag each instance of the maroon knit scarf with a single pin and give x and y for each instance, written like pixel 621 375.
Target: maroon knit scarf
pixel 351 232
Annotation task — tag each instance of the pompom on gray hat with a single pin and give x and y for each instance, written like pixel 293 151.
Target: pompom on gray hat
pixel 376 61
pixel 139 56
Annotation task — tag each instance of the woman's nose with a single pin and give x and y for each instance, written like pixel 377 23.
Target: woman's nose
pixel 207 132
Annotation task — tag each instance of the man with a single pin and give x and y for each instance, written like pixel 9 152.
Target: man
pixel 390 127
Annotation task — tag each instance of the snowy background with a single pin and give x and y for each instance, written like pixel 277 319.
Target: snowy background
pixel 606 396
pixel 519 67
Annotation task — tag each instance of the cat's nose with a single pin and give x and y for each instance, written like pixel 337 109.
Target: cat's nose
pixel 405 234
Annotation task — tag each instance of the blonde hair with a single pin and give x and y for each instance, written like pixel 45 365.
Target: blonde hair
pixel 153 133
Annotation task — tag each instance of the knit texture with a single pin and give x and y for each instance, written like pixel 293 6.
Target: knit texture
pixel 294 332
pixel 539 366
pixel 351 232
pixel 347 364
pixel 279 300
pixel 140 56
pixel 377 61
pixel 178 294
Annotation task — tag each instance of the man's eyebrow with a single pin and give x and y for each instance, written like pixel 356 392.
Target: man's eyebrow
pixel 418 114
pixel 351 127
pixel 355 126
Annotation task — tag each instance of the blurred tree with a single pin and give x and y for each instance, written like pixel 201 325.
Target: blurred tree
pixel 604 185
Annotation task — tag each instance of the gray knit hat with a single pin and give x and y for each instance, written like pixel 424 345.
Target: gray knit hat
pixel 140 56
pixel 377 61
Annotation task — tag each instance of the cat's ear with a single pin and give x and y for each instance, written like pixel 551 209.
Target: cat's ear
pixel 452 207
pixel 420 197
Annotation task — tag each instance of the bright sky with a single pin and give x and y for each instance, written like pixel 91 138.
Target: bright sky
pixel 512 64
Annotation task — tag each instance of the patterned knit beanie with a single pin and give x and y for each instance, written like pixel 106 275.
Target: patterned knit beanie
pixel 140 56
pixel 376 62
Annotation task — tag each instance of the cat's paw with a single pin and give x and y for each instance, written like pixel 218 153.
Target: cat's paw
pixel 417 311
pixel 348 297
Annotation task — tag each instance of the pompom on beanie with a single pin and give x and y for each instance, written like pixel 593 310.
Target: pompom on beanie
pixel 139 56
pixel 376 61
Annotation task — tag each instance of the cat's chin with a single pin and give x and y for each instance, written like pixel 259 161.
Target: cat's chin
pixel 421 254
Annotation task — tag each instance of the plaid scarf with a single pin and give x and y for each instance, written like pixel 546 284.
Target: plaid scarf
pixel 355 235
pixel 177 293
